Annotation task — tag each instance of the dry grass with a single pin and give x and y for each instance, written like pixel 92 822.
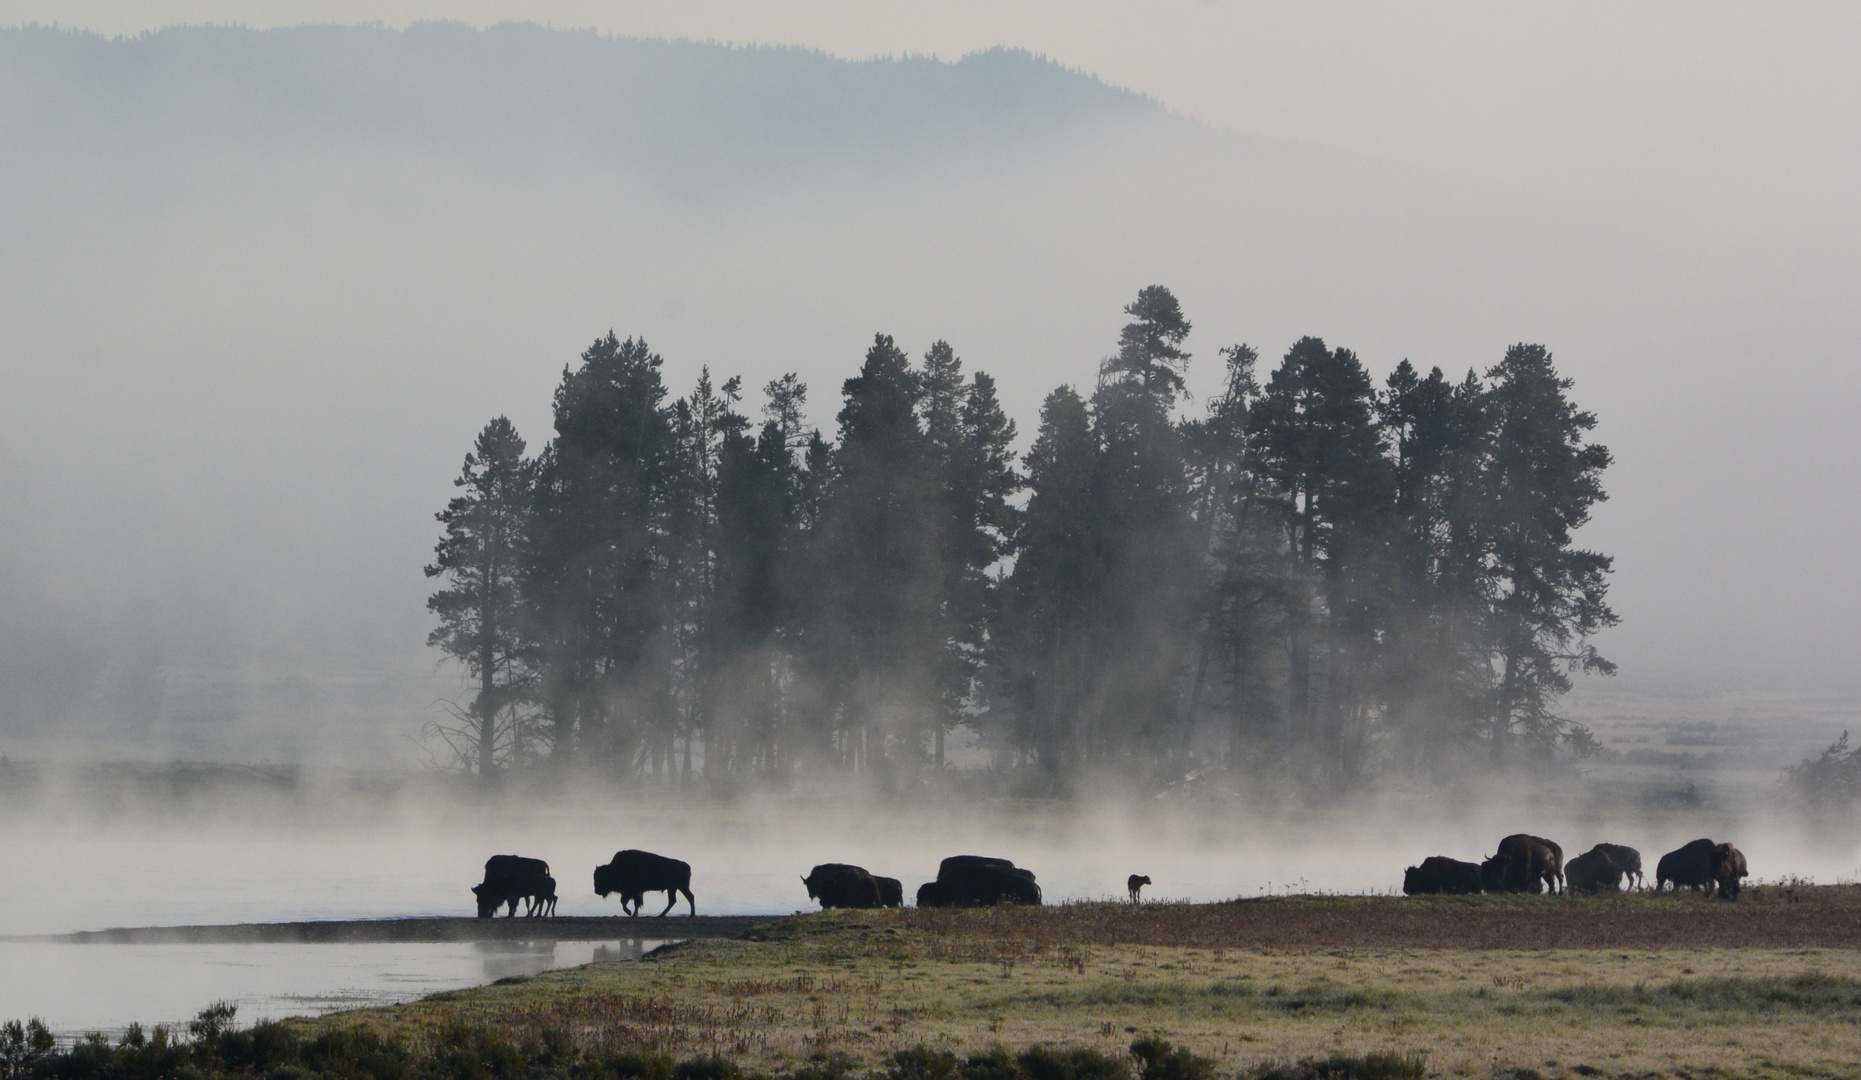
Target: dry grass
pixel 1586 988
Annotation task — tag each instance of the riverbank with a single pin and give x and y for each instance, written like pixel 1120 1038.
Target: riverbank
pixel 416 930
pixel 1631 985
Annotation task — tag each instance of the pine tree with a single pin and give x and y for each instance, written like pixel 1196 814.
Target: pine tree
pixel 1550 597
pixel 968 439
pixel 1045 640
pixel 885 621
pixel 596 600
pixel 1242 581
pixel 1146 540
pixel 1320 451
pixel 480 557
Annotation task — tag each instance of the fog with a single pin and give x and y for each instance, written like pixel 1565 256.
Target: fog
pixel 263 288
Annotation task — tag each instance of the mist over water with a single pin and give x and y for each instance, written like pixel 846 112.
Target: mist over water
pixel 418 855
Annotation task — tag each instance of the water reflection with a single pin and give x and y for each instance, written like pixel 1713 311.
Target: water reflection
pixel 83 988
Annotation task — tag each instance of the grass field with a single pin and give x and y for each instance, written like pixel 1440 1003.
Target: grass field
pixel 1627 986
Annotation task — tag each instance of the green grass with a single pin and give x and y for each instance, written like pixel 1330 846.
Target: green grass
pixel 1679 1001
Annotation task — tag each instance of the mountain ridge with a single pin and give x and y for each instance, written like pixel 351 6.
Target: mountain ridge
pixel 520 91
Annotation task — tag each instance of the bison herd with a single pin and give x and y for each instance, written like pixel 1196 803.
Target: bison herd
pixel 962 881
pixel 1521 864
pixel 1529 864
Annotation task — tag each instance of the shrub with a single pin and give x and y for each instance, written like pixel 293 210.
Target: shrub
pixel 1078 1063
pixel 1158 1060
pixel 629 1066
pixel 707 1068
pixel 923 1063
pixel 1831 780
pixel 1384 1066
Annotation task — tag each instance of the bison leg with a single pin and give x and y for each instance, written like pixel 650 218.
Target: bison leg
pixel 671 898
pixel 692 900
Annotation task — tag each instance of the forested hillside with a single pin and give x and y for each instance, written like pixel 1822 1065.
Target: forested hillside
pixel 1309 573
pixel 521 97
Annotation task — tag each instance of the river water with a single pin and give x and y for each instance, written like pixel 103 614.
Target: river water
pixel 265 863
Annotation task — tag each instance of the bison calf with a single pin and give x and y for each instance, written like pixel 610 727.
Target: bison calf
pixel 1135 883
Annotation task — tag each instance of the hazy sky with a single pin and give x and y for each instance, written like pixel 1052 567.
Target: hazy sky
pixel 1662 193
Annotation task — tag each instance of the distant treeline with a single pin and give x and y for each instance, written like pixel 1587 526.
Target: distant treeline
pixel 1315 576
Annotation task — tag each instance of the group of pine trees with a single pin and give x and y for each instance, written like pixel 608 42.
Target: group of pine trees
pixel 1316 576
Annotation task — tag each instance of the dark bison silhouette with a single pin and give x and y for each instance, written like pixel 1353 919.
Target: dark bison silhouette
pixel 1135 883
pixel 891 891
pixel 1440 874
pixel 508 879
pixel 1728 869
pixel 841 885
pixel 979 881
pixel 543 899
pixel 633 874
pixel 1693 864
pixel 1627 860
pixel 1594 871
pixel 1523 863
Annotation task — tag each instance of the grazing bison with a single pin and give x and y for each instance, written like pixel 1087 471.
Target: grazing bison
pixel 633 874
pixel 1440 874
pixel 1493 873
pixel 891 891
pixel 838 885
pixel 1532 860
pixel 1728 869
pixel 1627 860
pixel 1594 871
pixel 979 881
pixel 508 879
pixel 1692 865
pixel 1135 883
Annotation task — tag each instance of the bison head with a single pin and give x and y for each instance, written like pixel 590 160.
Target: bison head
pixel 1411 880
pixel 487 902
pixel 604 882
pixel 1493 873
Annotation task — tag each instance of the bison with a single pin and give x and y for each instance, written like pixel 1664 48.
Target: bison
pixel 979 881
pixel 1532 859
pixel 891 891
pixel 1594 871
pixel 542 896
pixel 1627 860
pixel 1440 874
pixel 1692 865
pixel 1728 869
pixel 838 885
pixel 1135 883
pixel 1493 871
pixel 508 879
pixel 633 874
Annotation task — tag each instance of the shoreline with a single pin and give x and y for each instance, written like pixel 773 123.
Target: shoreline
pixel 415 929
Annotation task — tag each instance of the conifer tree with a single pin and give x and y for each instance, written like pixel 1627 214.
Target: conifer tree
pixel 596 600
pixel 881 543
pixel 1550 596
pixel 1320 451
pixel 1145 538
pixel 480 558
pixel 1045 643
